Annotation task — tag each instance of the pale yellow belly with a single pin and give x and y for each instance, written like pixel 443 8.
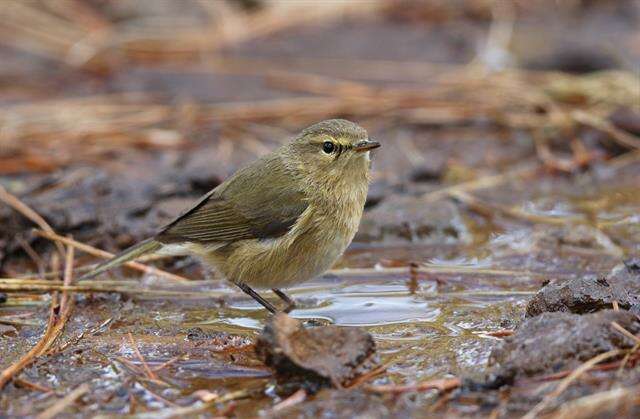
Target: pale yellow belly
pixel 278 264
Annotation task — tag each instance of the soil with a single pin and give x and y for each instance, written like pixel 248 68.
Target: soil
pixel 589 294
pixel 553 342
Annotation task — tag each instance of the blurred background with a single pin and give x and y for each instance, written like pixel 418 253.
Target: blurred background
pixel 116 114
pixel 510 156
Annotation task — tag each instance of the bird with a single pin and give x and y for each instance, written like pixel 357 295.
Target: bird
pixel 281 220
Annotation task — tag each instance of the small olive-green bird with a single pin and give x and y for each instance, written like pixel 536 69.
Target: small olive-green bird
pixel 282 220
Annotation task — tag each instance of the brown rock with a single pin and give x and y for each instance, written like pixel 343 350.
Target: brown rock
pixel 589 294
pixel 315 357
pixel 554 342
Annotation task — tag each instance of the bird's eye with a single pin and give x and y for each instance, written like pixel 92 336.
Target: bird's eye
pixel 328 147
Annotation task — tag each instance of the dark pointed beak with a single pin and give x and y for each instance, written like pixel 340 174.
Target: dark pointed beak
pixel 366 145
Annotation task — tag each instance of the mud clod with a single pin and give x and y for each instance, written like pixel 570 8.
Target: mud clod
pixel 554 342
pixel 590 293
pixel 315 357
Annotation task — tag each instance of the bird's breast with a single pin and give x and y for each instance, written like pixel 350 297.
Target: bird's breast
pixel 314 243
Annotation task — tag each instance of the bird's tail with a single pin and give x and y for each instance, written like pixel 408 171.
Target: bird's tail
pixel 142 248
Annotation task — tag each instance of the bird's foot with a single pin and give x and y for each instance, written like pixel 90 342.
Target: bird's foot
pixel 290 307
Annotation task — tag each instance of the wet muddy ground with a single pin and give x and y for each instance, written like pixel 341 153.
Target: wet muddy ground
pixel 474 243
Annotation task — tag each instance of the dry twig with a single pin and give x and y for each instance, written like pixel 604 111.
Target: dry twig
pixel 369 375
pixel 59 406
pixel 66 302
pixel 150 374
pixel 30 214
pixel 34 386
pixel 621 137
pixel 296 398
pixel 566 382
pixel 599 404
pixel 36 351
pixel 55 325
pixel 625 332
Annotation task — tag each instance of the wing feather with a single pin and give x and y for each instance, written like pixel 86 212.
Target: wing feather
pixel 246 206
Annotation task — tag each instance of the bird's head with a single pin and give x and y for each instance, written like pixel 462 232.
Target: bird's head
pixel 335 150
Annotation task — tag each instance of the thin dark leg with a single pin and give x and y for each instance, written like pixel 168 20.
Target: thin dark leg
pixel 290 303
pixel 257 297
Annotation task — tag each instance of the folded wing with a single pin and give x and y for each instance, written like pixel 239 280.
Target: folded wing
pixel 258 202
